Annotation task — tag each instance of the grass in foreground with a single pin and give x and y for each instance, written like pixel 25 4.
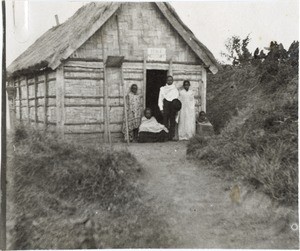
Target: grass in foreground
pixel 65 195
pixel 254 110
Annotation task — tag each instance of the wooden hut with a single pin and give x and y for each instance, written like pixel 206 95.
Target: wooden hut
pixel 72 79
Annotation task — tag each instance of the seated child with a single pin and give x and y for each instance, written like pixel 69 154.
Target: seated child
pixel 203 126
pixel 202 117
pixel 150 130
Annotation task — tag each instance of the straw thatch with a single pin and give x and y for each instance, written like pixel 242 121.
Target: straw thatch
pixel 201 50
pixel 58 43
pixel 61 41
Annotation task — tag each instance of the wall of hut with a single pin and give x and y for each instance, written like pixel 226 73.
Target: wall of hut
pixel 72 99
pixel 35 99
pixel 137 28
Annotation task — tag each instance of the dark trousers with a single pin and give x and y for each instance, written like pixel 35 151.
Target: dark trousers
pixel 169 118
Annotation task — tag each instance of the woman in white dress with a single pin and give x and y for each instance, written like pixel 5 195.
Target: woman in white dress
pixel 187 116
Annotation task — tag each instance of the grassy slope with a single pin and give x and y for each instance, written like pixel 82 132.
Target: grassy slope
pixel 254 113
pixel 68 196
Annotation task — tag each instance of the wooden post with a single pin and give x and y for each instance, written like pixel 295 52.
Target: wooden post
pixel 125 105
pixel 27 99
pixel 108 112
pixel 35 100
pixel 203 89
pixel 46 100
pixel 123 83
pixel 107 137
pixel 10 90
pixel 60 99
pixel 120 50
pixel 107 107
pixel 57 20
pixel 20 99
pixel 171 67
pixel 14 105
pixel 144 78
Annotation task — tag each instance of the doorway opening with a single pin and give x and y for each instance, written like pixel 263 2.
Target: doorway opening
pixel 155 80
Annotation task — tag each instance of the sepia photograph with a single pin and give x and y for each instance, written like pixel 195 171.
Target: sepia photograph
pixel 149 125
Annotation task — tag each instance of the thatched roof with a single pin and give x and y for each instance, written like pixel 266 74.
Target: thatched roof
pixel 61 41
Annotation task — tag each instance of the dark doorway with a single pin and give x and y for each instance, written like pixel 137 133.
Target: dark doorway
pixel 155 80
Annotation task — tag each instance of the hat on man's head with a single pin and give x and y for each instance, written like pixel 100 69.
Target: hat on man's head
pixel 176 104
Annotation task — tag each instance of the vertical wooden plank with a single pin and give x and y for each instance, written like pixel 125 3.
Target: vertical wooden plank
pixel 171 67
pixel 60 99
pixel 122 80
pixel 144 78
pixel 11 104
pixel 108 110
pixel 105 92
pixel 27 99
pixel 107 107
pixel 20 99
pixel 120 47
pixel 46 99
pixel 35 100
pixel 14 102
pixel 125 104
pixel 203 89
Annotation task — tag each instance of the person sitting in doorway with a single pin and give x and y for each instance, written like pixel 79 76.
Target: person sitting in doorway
pixel 150 130
pixel 187 115
pixel 134 114
pixel 169 105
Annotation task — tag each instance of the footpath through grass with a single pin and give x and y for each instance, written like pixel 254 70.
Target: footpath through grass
pixel 64 195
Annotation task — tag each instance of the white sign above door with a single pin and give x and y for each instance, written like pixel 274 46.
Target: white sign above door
pixel 157 54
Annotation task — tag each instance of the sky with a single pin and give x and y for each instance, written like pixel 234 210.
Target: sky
pixel 211 21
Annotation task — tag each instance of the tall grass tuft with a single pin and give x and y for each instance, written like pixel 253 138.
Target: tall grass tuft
pixel 65 195
pixel 255 115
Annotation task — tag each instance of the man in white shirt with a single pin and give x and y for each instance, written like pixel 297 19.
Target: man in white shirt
pixel 167 94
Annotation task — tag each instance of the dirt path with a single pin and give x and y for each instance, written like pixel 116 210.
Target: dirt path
pixel 197 206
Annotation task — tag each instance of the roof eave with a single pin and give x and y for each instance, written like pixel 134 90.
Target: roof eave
pixel 187 37
pixel 58 58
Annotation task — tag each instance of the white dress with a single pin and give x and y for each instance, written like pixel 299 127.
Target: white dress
pixel 187 116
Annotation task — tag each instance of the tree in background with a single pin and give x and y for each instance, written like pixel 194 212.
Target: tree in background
pixel 236 50
pixel 293 53
pixel 238 53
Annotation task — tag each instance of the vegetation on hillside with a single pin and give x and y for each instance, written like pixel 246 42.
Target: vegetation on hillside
pixel 64 195
pixel 253 106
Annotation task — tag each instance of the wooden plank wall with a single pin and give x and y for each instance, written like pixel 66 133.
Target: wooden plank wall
pixel 141 26
pixel 31 97
pixel 84 97
pixel 194 74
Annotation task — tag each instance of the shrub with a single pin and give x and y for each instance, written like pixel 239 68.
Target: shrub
pixel 83 173
pixel 255 111
pixel 65 195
